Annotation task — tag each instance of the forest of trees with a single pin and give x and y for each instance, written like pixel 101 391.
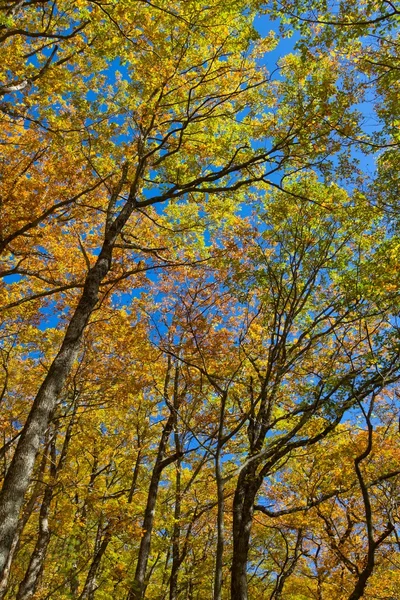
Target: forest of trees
pixel 200 300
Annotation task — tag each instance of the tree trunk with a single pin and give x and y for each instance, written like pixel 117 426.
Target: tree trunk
pixel 148 521
pixel 29 584
pixel 220 499
pixel 21 525
pixel 243 508
pixel 288 568
pixel 135 476
pixel 19 473
pixel 88 589
pixel 176 557
pixel 220 534
pixel 138 588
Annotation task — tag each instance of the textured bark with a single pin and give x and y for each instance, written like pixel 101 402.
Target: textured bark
pixel 243 508
pixel 22 522
pixel 7 567
pixel 30 581
pixel 32 576
pixel 29 584
pixel 15 545
pixel 19 473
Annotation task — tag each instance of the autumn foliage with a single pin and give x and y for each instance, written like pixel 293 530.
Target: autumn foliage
pixel 199 291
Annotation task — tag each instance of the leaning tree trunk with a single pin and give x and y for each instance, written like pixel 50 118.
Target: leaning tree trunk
pixel 28 585
pixel 19 473
pixel 17 537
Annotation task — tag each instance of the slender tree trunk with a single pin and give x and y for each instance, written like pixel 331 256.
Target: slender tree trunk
pixel 190 589
pixel 373 544
pixel 165 573
pixel 7 567
pixel 148 521
pixel 138 588
pixel 220 499
pixel 19 473
pixel 176 557
pixel 288 568
pixel 88 589
pixel 135 476
pixel 220 533
pixel 28 585
pixel 82 513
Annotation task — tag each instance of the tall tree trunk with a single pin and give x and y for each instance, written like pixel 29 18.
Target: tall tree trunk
pixel 220 533
pixel 243 508
pixel 220 499
pixel 176 556
pixel 148 521
pixel 88 588
pixel 23 521
pixel 29 584
pixel 16 541
pixel 138 588
pixel 19 473
pixel 20 470
pixel 31 579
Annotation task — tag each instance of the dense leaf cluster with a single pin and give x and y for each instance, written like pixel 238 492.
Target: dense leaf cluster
pixel 199 291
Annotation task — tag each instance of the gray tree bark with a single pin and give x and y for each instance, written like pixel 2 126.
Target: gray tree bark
pixel 19 473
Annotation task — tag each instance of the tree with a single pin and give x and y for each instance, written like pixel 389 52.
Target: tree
pixel 199 292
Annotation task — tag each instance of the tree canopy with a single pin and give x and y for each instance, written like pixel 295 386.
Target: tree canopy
pixel 199 291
